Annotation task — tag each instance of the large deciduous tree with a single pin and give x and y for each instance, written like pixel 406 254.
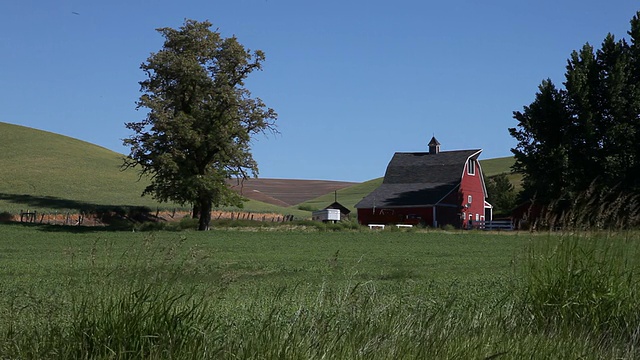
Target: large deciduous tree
pixel 200 120
pixel 588 134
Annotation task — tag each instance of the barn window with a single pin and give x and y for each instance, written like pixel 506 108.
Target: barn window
pixel 469 198
pixel 471 167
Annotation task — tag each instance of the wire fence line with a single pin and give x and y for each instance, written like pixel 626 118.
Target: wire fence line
pixel 103 219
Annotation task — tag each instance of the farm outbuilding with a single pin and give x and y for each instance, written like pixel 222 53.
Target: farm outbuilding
pixel 433 188
pixel 344 212
pixel 332 213
pixel 326 215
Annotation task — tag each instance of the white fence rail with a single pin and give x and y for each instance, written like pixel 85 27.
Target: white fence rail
pixel 493 225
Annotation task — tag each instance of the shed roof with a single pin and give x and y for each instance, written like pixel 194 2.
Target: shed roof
pixel 337 205
pixel 419 178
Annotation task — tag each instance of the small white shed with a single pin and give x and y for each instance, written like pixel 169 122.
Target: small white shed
pixel 326 215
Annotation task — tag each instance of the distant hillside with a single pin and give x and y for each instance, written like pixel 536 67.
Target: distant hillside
pixel 46 171
pixel 40 169
pixel 287 192
pixel 348 197
pixel 491 167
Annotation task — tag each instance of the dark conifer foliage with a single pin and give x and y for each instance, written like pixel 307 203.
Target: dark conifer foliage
pixel 501 194
pixel 587 135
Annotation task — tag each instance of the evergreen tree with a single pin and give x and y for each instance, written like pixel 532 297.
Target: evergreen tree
pixel 633 91
pixel 542 134
pixel 501 194
pixel 581 104
pixel 587 134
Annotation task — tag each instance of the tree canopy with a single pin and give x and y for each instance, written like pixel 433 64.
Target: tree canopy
pixel 587 134
pixel 201 119
pixel 501 193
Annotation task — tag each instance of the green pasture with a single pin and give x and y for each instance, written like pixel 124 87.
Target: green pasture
pixel 311 292
pixel 282 255
pixel 48 171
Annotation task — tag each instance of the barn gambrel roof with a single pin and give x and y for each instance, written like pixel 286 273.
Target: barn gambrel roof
pixel 419 179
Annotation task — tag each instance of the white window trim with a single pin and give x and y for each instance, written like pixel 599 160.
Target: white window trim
pixel 471 167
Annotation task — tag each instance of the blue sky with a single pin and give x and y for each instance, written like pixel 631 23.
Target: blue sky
pixel 352 81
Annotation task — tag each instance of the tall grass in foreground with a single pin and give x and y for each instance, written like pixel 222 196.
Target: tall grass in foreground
pixel 587 284
pixel 146 323
pixel 352 323
pixel 575 298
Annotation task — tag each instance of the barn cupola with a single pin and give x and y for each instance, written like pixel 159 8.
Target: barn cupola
pixel 434 146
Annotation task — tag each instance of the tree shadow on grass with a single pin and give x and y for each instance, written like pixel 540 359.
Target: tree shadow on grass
pixel 52 202
pixel 72 229
pixel 112 217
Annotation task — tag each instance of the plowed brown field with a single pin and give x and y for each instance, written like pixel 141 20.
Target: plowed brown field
pixel 286 192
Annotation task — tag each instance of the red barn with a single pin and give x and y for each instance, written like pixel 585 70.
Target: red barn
pixel 435 188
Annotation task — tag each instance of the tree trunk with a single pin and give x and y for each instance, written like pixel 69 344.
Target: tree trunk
pixel 196 211
pixel 205 214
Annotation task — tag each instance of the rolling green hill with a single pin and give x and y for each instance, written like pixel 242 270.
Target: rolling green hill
pixel 497 166
pixel 44 171
pixel 491 167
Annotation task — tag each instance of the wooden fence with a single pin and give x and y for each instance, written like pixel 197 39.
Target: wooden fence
pixel 57 218
pixel 242 215
pixel 70 218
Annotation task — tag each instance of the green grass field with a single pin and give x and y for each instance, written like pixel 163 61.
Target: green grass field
pixel 302 293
